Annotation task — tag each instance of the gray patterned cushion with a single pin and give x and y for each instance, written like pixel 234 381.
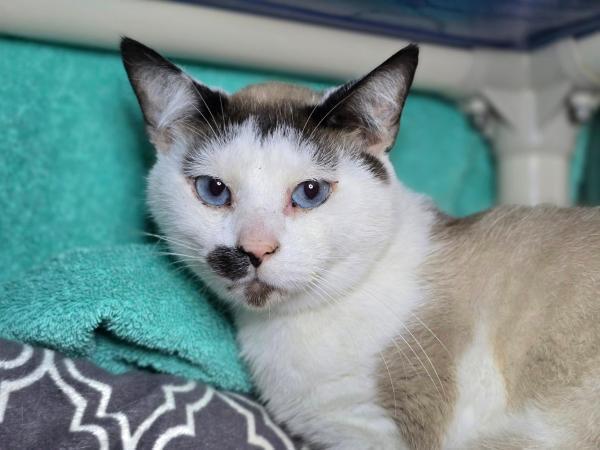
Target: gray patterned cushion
pixel 53 402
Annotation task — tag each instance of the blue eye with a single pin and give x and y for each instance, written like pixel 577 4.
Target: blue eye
pixel 311 193
pixel 212 191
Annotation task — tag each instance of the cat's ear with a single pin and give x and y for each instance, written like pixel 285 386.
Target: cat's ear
pixel 167 96
pixel 370 107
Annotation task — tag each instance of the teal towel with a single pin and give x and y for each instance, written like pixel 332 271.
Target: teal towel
pixel 125 307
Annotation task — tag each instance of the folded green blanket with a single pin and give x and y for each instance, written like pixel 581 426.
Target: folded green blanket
pixel 124 307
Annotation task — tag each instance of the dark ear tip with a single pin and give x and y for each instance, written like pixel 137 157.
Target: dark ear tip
pixel 130 47
pixel 127 44
pixel 134 53
pixel 410 52
pixel 406 58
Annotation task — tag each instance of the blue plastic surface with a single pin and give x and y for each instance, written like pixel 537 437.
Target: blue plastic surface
pixel 512 24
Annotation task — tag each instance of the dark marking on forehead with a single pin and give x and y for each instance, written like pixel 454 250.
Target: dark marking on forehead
pixel 269 116
pixel 273 106
pixel 374 165
pixel 228 262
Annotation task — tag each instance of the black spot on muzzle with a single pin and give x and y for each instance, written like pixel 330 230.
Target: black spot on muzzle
pixel 228 262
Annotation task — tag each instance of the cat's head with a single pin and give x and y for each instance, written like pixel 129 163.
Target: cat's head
pixel 275 195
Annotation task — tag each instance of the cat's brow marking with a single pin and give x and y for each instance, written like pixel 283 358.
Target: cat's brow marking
pixel 374 165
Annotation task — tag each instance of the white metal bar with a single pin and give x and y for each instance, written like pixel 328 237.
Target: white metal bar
pixel 226 37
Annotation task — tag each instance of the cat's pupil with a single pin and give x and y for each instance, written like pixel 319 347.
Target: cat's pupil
pixel 311 189
pixel 216 187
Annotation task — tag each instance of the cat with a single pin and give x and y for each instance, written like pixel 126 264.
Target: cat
pixel 368 318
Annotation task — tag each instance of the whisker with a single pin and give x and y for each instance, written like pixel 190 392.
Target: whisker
pixel 375 298
pixel 207 122
pixel 432 333
pixel 181 255
pixel 369 336
pixel 387 368
pixel 196 131
pixel 173 241
pixel 222 112
pixel 308 118
pixel 426 356
pixel 207 108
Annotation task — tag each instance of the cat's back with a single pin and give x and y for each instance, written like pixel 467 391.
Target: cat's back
pixel 520 258
pixel 515 247
pixel 493 229
pixel 527 281
pixel 529 272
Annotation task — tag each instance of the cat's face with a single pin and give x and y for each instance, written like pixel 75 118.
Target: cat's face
pixel 276 196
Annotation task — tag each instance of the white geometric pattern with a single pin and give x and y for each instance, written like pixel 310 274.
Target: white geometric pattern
pixel 128 440
pixel 189 428
pixel 48 367
pixel 286 440
pixel 172 422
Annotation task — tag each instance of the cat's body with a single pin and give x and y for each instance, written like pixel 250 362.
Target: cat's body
pixel 494 343
pixel 369 320
pixel 511 324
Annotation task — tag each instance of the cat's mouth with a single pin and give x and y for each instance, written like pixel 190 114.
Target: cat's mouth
pixel 257 292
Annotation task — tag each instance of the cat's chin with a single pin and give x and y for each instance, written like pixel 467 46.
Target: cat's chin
pixel 257 293
pixel 253 294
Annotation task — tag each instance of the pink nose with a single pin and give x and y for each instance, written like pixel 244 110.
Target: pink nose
pixel 258 249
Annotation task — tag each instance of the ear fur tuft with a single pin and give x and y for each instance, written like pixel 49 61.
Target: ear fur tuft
pixel 167 96
pixel 371 106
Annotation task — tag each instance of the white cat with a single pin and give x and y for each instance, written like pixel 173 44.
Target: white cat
pixel 370 320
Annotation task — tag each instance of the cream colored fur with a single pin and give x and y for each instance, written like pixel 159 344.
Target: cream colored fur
pixel 511 325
